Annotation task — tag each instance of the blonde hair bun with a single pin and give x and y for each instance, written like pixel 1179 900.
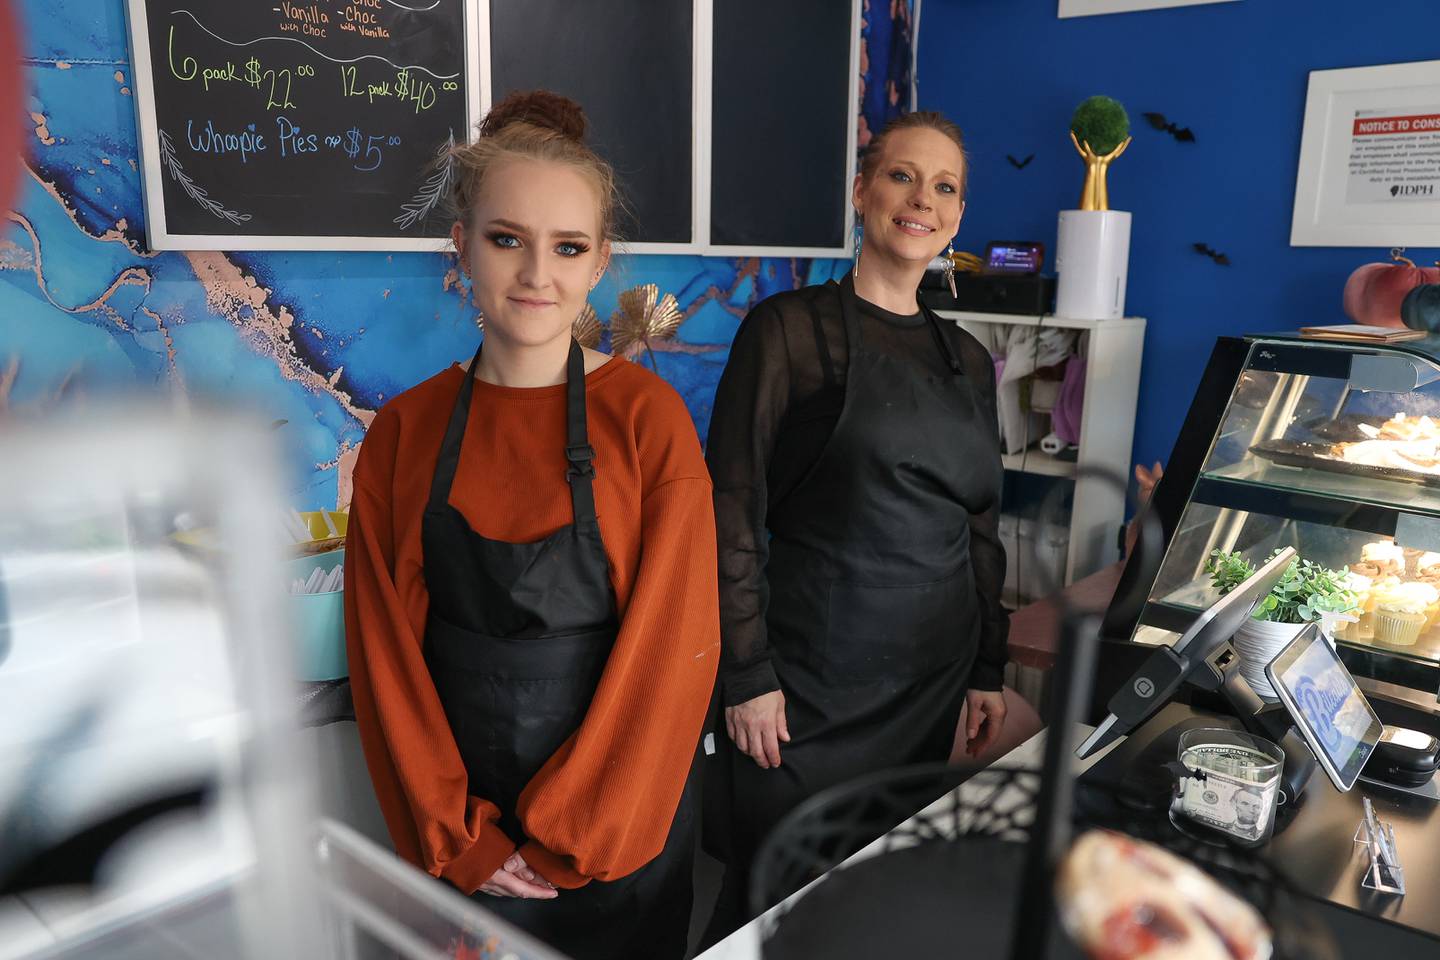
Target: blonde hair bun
pixel 539 108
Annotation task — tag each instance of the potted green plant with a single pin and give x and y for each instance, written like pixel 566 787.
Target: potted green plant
pixel 1305 593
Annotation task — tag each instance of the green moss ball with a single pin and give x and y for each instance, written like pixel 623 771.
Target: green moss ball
pixel 1100 122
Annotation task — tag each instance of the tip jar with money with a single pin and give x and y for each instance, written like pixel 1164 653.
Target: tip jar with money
pixel 1230 784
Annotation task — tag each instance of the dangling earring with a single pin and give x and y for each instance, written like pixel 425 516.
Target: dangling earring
pixel 859 239
pixel 949 270
pixel 479 315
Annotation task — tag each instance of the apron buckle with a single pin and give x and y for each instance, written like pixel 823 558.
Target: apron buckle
pixel 580 456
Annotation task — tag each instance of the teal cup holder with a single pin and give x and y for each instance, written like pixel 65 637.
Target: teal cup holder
pixel 318 620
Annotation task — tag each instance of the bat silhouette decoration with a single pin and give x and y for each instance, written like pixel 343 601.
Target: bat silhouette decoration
pixel 1182 134
pixel 1019 164
pixel 1204 250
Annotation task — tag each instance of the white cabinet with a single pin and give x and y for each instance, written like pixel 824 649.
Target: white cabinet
pixel 1111 349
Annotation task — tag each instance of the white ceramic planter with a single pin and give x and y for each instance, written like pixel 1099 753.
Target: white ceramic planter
pixel 1258 642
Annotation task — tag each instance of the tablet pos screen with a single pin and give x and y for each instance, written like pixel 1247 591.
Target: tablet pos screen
pixel 1014 256
pixel 1328 708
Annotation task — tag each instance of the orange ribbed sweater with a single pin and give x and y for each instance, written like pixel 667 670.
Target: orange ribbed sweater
pixel 601 807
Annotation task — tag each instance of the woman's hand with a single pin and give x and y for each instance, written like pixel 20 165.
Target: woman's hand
pixel 516 878
pixel 984 719
pixel 758 727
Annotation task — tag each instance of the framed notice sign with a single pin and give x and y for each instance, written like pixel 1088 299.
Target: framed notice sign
pixel 1370 158
pixel 1089 8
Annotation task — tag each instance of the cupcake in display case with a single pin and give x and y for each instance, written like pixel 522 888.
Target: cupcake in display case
pixel 1364 611
pixel 1401 613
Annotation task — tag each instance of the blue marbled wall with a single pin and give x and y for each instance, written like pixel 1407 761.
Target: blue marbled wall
pixel 317 339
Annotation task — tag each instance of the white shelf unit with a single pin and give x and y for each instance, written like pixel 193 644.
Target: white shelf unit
pixel 1107 429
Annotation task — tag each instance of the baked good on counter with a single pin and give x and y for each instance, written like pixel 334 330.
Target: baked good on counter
pixel 1124 899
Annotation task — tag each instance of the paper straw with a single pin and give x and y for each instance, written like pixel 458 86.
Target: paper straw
pixel 295 527
pixel 300 525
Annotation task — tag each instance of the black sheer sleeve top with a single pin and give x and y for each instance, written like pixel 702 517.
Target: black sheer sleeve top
pixel 774 415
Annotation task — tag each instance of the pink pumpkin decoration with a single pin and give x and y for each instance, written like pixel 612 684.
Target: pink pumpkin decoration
pixel 1374 292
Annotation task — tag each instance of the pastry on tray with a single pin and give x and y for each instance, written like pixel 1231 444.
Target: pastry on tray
pixel 1388 558
pixel 1401 427
pixel 1400 443
pixel 1123 899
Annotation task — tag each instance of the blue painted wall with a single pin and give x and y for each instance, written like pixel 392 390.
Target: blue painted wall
pixel 1010 73
pixel 83 307
pixel 320 340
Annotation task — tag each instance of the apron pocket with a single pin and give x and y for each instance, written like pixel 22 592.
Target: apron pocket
pixel 529 658
pixel 904 631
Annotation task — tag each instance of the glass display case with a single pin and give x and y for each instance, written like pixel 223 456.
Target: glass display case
pixel 1330 448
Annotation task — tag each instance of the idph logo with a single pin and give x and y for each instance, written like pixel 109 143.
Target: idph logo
pixel 1144 688
pixel 1412 190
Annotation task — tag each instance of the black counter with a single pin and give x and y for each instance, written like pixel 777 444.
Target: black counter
pixel 1314 842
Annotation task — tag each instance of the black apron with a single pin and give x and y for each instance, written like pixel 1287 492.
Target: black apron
pixel 516 640
pixel 873 618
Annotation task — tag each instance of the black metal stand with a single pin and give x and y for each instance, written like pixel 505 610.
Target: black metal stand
pixel 1050 838
pixel 1269 720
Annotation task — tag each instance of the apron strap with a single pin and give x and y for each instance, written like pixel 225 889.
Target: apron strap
pixel 941 342
pixel 849 314
pixel 852 328
pixel 578 452
pixel 577 439
pixel 449 458
pixel 822 346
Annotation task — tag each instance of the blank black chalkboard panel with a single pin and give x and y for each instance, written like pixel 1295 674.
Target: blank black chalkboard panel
pixel 630 65
pixel 781 116
pixel 298 124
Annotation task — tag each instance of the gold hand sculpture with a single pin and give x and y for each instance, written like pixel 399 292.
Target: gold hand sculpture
pixel 1095 196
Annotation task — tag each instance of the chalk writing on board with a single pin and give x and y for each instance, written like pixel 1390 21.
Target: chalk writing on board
pixel 435 189
pixel 319 53
pixel 295 121
pixel 193 190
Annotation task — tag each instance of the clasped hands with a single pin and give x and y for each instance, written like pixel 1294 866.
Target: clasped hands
pixel 516 878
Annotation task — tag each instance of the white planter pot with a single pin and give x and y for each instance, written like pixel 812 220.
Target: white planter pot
pixel 1258 642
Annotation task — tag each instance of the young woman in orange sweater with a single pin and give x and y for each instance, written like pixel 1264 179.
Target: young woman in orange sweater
pixel 531 603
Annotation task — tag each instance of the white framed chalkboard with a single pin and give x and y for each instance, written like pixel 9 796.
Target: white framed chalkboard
pixel 301 124
pixel 731 124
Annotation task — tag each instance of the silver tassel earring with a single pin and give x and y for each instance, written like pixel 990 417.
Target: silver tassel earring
pixel 949 270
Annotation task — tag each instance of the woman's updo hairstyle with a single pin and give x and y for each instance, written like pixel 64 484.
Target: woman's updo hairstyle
pixel 918 120
pixel 532 125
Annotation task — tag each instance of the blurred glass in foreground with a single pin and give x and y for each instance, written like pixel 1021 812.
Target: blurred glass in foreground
pixel 154 799
pixel 145 725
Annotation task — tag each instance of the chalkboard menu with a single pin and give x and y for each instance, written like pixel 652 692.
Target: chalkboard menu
pixel 730 123
pixel 630 65
pixel 805 50
pixel 312 124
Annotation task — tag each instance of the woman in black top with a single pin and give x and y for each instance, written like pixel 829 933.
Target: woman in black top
pixel 856 466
